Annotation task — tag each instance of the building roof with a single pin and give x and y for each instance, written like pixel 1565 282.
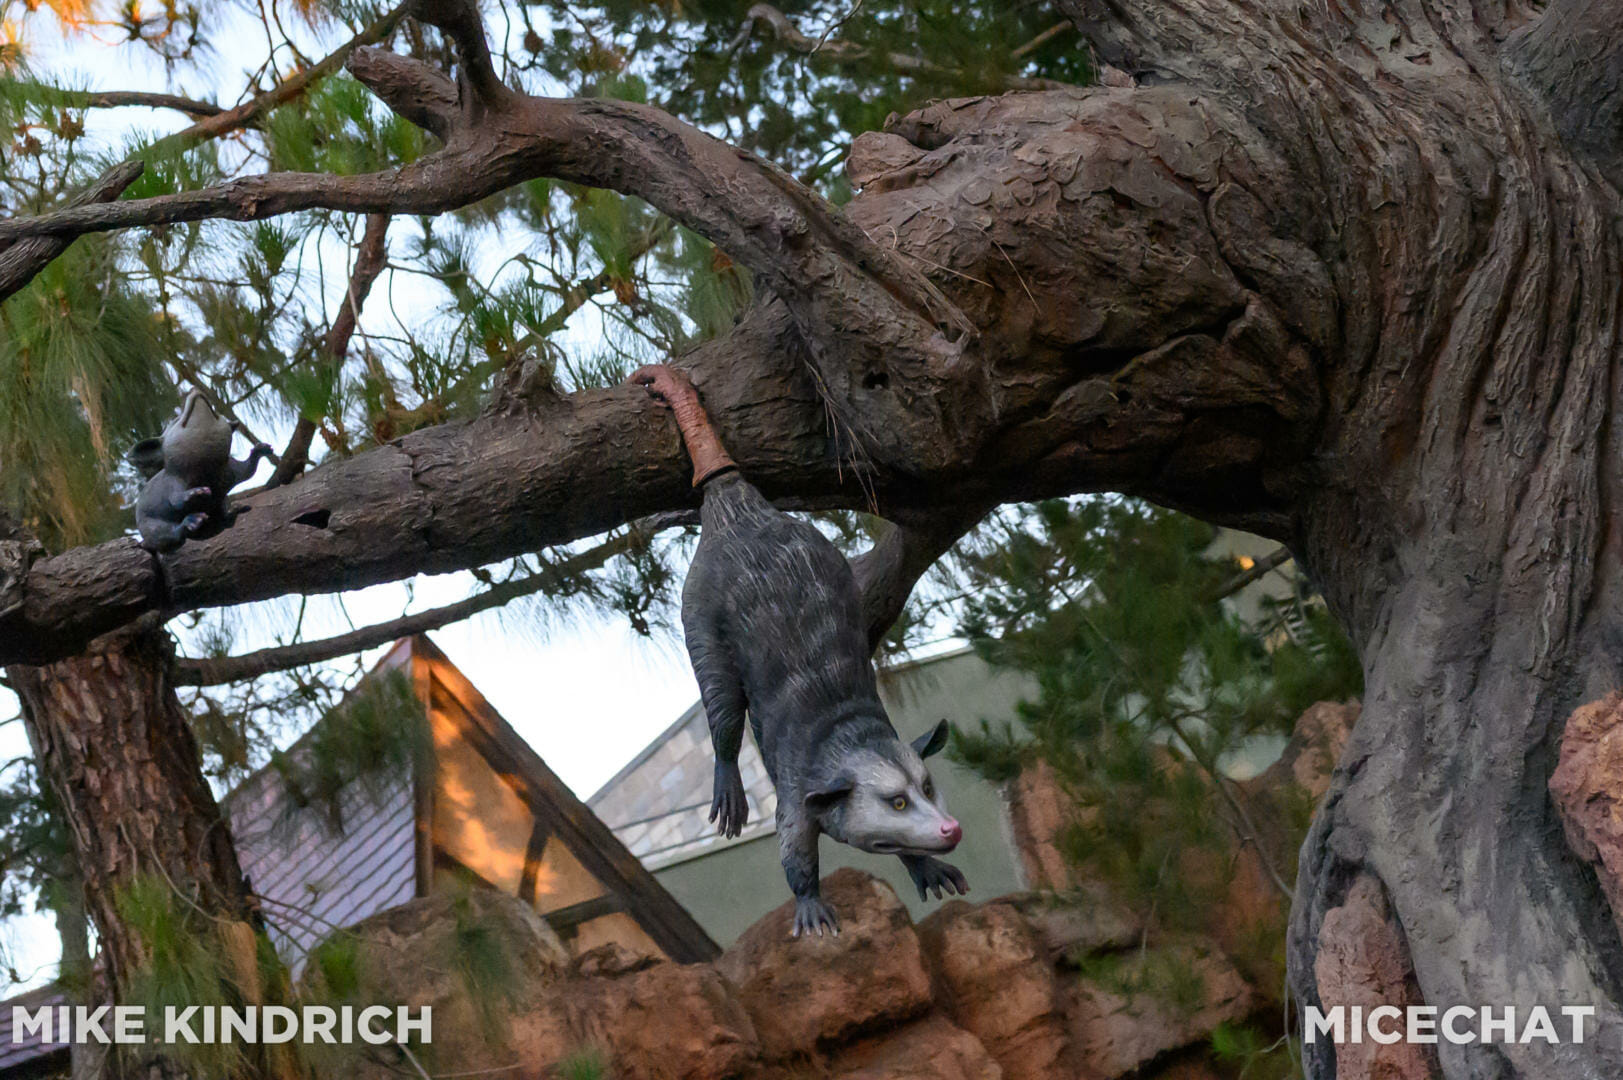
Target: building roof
pixel 659 803
pixel 570 820
pixel 313 878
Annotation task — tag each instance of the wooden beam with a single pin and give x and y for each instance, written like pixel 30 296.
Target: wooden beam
pixel 667 922
pixel 424 768
pixel 565 920
pixel 532 860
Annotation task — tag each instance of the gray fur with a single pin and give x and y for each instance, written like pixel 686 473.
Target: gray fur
pixel 189 469
pixel 774 629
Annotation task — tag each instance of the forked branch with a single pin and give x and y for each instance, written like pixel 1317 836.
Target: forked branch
pixel 21 260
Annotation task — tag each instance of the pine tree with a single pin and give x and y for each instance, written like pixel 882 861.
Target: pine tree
pixel 1150 688
pixel 340 333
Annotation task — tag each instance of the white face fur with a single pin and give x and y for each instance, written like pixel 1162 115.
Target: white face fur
pixel 195 440
pixel 893 806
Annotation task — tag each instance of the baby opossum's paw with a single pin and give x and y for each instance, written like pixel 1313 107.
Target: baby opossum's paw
pixel 196 496
pixel 193 524
pixel 934 875
pixel 728 806
pixel 812 914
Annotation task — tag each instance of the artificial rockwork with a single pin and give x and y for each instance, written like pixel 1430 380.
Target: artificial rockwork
pixel 1011 989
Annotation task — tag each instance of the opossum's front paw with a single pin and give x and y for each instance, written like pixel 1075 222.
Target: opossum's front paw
pixel 933 875
pixel 729 807
pixel 192 524
pixel 812 914
pixel 196 496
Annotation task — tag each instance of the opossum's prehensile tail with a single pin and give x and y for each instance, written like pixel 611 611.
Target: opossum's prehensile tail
pixel 671 386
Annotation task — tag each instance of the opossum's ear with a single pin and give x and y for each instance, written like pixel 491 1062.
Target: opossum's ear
pixel 826 795
pixel 932 741
pixel 147 457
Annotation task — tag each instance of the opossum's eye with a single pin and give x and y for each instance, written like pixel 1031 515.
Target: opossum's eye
pixel 929 789
pixel 899 803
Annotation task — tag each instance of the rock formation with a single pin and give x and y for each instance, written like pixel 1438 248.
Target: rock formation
pixel 1024 987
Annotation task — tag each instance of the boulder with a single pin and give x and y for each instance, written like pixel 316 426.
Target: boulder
pixel 997 982
pixel 1362 960
pixel 415 955
pixel 1086 919
pixel 1315 746
pixel 1124 1019
pixel 644 1016
pixel 652 1019
pixel 1039 811
pixel 1587 787
pixel 932 1049
pixel 806 993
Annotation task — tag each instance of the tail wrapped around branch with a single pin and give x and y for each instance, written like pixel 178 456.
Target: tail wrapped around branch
pixel 672 387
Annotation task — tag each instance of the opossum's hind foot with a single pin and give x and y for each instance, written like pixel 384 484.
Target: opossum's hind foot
pixel 811 914
pixel 729 807
pixel 933 875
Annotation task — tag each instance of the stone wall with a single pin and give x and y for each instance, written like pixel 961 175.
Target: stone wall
pixel 1020 987
pixel 990 991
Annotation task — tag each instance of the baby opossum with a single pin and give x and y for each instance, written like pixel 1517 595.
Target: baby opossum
pixel 189 469
pixel 773 624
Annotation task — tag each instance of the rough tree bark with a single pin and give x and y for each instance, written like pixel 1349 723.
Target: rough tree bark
pixel 1343 273
pixel 115 746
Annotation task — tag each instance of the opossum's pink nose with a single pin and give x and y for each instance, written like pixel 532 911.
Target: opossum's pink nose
pixel 951 831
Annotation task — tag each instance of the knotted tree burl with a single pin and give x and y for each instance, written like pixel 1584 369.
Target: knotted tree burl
pixel 1343 273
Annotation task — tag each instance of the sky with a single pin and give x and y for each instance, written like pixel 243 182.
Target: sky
pixel 587 693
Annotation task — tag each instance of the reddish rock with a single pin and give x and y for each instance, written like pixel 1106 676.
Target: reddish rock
pixel 1315 746
pixel 932 1049
pixel 653 1019
pixel 1114 1032
pixel 1362 961
pixel 805 993
pixel 1083 921
pixel 1039 810
pixel 1587 787
pixel 647 1018
pixel 997 982
pixel 408 955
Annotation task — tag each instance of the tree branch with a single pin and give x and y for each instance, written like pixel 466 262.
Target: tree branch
pixel 214 672
pixel 21 260
pixel 249 112
pixel 828 271
pixel 887 572
pixel 1255 572
pixel 1571 57
pixel 115 99
pixel 370 259
pixel 1103 359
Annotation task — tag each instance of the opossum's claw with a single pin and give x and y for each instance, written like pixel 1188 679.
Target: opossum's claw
pixel 934 876
pixel 729 805
pixel 812 914
pixel 662 382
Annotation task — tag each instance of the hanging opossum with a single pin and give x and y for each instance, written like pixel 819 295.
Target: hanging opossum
pixel 773 624
pixel 189 469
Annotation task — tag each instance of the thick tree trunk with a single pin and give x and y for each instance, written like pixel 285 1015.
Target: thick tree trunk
pixel 114 747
